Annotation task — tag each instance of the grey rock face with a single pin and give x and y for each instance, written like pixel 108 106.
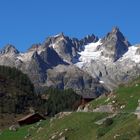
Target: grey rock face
pixel 113 74
pixel 9 49
pixel 34 47
pixel 70 76
pixel 48 64
pixel 53 63
pixel 89 39
pixel 62 45
pixel 114 45
pixel 50 57
pixel 114 61
pixel 66 47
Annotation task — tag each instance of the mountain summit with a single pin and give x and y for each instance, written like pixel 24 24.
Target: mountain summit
pixel 114 44
pixel 9 49
pixel 90 66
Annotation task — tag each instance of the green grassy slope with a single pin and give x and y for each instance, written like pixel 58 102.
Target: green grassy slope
pixel 81 126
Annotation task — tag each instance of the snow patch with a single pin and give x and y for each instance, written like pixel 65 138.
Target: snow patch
pixel 101 82
pixel 57 35
pixel 131 54
pixel 90 52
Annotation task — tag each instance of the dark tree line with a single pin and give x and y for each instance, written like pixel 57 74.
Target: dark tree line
pixel 61 100
pixel 17 95
pixel 21 81
pixel 16 91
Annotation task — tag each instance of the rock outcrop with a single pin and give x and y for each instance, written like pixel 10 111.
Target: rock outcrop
pixel 114 45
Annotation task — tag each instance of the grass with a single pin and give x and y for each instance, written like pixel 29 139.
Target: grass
pixel 126 126
pixel 99 101
pixel 76 123
pixel 22 131
pixel 18 135
pixel 128 96
pixel 81 125
pixel 125 95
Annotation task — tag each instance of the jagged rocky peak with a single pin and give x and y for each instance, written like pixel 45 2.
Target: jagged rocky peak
pixel 114 44
pixel 9 49
pixel 50 57
pixel 67 48
pixel 115 29
pixel 62 45
pixel 60 35
pixel 89 39
pixel 34 47
pixel 53 39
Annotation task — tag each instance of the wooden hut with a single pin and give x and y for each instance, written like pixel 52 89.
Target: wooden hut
pixel 86 100
pixel 30 119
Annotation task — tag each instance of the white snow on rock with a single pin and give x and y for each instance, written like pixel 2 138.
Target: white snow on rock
pixel 58 35
pixel 90 52
pixel 101 82
pixel 131 54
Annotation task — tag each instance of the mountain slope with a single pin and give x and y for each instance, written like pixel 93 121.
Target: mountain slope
pixel 110 61
pixel 83 125
pixel 41 59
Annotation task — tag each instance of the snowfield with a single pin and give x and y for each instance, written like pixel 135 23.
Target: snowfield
pixel 91 52
pixel 131 54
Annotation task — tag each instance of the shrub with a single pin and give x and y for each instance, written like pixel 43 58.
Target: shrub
pixel 108 122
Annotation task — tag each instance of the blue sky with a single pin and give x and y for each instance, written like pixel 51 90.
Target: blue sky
pixel 24 22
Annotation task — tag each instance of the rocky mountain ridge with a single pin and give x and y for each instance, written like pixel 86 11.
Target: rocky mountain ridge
pixel 90 65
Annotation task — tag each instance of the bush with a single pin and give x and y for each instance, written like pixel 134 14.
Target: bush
pixel 108 122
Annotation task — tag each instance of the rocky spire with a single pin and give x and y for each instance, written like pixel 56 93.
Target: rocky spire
pixel 114 44
pixel 9 49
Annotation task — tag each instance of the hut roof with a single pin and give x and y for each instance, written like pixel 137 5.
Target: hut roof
pixel 30 115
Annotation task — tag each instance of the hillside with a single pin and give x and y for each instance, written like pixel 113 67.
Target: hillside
pixel 123 125
pixel 16 94
pixel 18 98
